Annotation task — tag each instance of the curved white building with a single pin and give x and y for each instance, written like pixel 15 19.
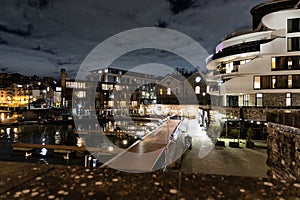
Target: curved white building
pixel 260 67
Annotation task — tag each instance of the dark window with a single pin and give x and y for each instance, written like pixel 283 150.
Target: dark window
pixel 296 81
pixel 293 25
pixel 293 44
pixel 281 82
pixel 265 82
pixel 232 100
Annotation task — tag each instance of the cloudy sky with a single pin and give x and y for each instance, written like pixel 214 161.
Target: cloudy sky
pixel 42 36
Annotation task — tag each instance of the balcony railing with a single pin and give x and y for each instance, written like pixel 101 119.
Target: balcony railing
pixel 285 117
pixel 240 48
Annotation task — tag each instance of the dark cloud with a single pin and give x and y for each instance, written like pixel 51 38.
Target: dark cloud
pixel 177 6
pixel 51 34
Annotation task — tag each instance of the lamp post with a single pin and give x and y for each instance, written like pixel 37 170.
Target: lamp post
pixel 219 88
pixel 167 144
pixel 204 98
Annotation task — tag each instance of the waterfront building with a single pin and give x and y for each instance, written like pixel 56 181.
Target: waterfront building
pixel 118 90
pixel 176 90
pixel 256 70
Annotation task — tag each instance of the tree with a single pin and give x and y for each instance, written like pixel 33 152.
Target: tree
pixel 235 134
pixel 250 134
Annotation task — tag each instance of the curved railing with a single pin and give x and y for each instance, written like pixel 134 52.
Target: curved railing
pixel 240 48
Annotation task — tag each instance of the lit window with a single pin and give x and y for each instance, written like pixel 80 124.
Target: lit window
pixel 273 82
pixel 160 91
pixel 288 99
pixel 259 100
pixel 198 79
pixel 290 81
pixel 246 98
pixel 81 94
pixel 256 82
pixel 273 63
pixel 110 103
pixel 197 90
pixel 290 63
pixel 169 91
pixel 229 67
pixel 104 87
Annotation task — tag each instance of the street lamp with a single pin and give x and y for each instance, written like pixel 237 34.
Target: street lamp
pixel 204 98
pixel 219 88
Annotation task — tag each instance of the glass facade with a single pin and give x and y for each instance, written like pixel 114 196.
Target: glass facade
pixel 286 63
pixel 293 44
pixel 293 25
pixel 277 82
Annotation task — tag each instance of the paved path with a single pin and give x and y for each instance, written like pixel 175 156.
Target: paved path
pixel 222 160
pixel 144 155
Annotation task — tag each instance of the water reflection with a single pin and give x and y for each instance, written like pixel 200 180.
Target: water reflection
pixel 66 134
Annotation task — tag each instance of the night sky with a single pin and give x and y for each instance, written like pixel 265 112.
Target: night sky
pixel 42 36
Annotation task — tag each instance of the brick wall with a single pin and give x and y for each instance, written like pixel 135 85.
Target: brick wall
pixel 283 151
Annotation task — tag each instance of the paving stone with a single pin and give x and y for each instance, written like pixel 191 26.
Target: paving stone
pixel 61 182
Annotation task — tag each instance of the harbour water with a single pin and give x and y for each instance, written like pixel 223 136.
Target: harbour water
pixel 60 134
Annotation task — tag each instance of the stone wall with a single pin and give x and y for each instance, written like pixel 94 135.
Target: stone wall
pixel 274 99
pixel 283 151
pixel 253 113
pixel 295 99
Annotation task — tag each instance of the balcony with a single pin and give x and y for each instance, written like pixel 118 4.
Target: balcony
pixel 246 47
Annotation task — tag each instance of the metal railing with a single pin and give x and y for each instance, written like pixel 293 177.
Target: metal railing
pixel 285 117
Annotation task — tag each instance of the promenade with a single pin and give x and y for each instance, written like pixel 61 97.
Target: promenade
pixel 143 156
pixel 223 160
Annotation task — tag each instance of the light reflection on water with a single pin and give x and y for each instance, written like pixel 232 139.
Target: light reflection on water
pixel 61 134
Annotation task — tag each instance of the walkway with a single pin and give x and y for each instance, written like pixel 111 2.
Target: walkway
pixel 208 159
pixel 143 156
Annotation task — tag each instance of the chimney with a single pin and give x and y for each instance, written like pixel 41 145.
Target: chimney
pixel 63 86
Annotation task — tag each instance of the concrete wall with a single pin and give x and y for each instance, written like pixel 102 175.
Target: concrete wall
pixel 283 152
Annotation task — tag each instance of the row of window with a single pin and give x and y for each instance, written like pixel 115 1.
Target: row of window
pixel 231 67
pixel 169 91
pixel 276 82
pixel 75 85
pixel 286 63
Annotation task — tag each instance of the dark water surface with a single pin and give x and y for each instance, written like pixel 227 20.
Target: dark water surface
pixel 61 134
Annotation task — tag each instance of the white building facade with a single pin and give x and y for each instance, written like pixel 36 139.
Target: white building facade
pixel 260 67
